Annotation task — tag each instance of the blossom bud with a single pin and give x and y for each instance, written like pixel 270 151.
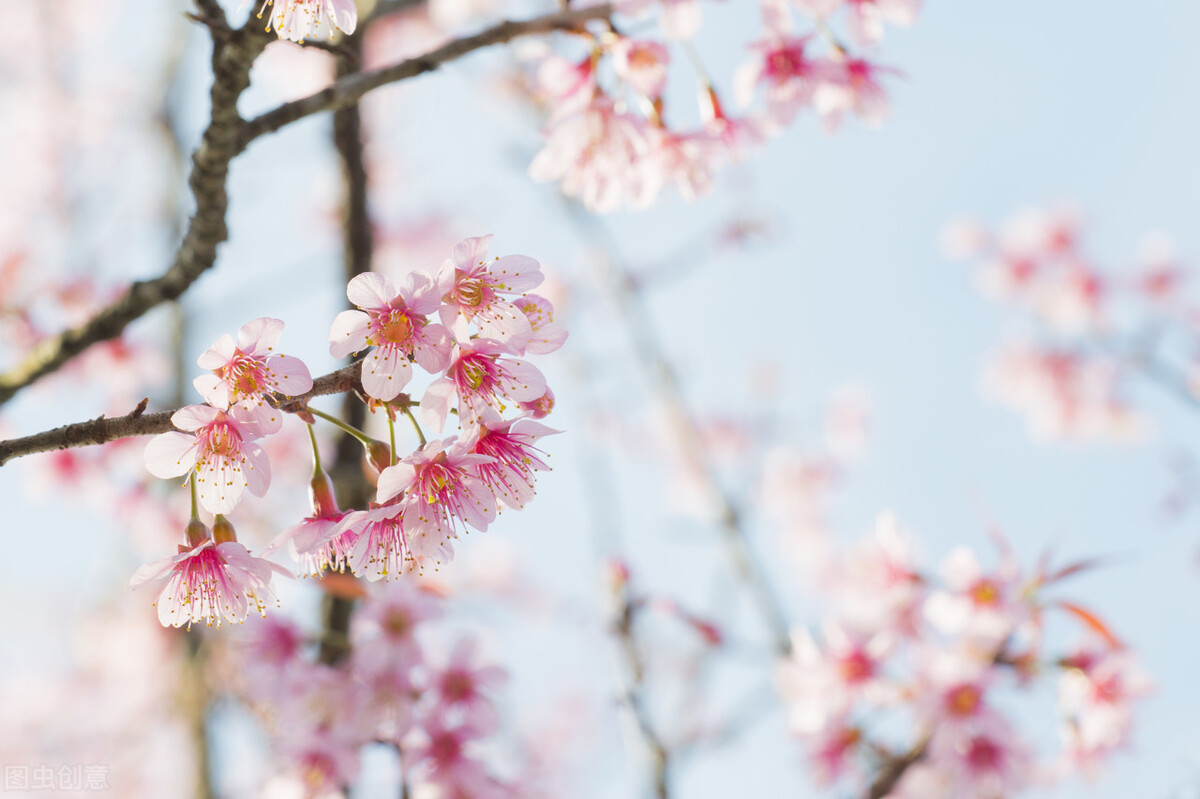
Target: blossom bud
pixel 197 533
pixel 320 492
pixel 223 532
pixel 379 456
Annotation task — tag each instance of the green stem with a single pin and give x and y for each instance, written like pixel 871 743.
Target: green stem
pixel 312 436
pixel 392 437
pixel 195 503
pixel 416 426
pixel 354 431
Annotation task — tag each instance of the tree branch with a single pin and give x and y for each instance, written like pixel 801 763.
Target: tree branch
pixel 233 54
pixel 349 89
pixel 138 423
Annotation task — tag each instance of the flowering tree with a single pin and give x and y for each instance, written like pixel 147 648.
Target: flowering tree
pixel 410 396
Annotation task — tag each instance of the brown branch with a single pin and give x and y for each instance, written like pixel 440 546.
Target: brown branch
pixel 349 89
pixel 895 768
pixel 632 694
pixel 357 251
pixel 233 54
pixel 138 423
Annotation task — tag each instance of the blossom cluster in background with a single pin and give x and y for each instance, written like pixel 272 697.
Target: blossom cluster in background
pixel 1090 329
pixel 942 653
pixel 615 137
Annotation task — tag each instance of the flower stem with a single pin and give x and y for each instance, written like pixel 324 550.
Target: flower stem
pixel 392 437
pixel 416 426
pixel 312 436
pixel 354 431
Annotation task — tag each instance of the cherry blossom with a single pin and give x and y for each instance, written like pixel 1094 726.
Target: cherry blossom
pixel 244 372
pixel 643 64
pixel 299 20
pixel 217 449
pixel 395 324
pixel 513 459
pixel 443 492
pixel 599 154
pixel 544 335
pixel 481 376
pixel 473 289
pixel 209 582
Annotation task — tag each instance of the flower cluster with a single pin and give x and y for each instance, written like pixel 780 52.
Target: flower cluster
pixel 436 710
pixel 939 653
pixel 474 352
pixel 1091 327
pixel 609 139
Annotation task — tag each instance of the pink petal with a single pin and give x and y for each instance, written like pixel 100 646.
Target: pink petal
pixel 259 336
pixel 517 273
pixel 348 333
pixel 469 252
pixel 257 470
pixel 291 375
pixel 385 373
pixel 171 454
pixel 395 479
pixel 219 354
pixel 435 405
pixel 214 390
pixel 370 290
pixel 193 417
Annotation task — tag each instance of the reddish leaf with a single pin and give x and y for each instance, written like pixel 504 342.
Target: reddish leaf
pixel 1093 623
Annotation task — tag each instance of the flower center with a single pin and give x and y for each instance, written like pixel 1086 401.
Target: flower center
pixel 395 327
pixel 962 700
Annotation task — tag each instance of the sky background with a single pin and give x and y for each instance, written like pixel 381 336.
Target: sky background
pixel 1000 106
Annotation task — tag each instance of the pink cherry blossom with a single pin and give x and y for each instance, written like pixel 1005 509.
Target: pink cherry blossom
pixel 642 64
pixel 601 157
pixel 543 406
pixel 851 84
pixel 481 376
pixel 394 324
pixel 216 448
pixel 984 608
pixel 462 687
pixel 473 287
pixel 384 630
pixel 545 336
pixel 513 459
pixel 789 76
pixel 1095 695
pixel 316 542
pixel 822 684
pixel 867 17
pixel 243 372
pixel 209 582
pixel 444 492
pixel 298 20
pixel 380 548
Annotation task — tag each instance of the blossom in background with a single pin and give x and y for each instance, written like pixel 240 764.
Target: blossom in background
pixel 242 373
pixel 678 19
pixel 601 155
pixel 394 323
pixel 217 447
pixel 472 289
pixel 298 20
pixel 209 582
pixel 642 64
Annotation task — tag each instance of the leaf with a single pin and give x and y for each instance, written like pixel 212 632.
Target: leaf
pixel 1093 623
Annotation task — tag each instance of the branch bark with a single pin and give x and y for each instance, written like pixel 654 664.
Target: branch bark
pixel 348 90
pixel 138 423
pixel 233 54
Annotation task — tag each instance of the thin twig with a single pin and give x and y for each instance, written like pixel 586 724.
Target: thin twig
pixel 349 89
pixel 138 423
pixel 233 54
pixel 632 693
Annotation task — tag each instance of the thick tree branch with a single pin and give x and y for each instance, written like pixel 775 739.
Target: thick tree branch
pixel 349 89
pixel 233 54
pixel 138 423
